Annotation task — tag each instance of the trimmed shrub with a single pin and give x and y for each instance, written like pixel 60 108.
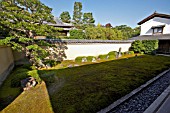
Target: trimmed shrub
pixel 112 53
pixel 137 46
pixel 142 53
pixel 131 52
pixel 111 57
pixel 79 59
pixel 103 57
pixel 150 45
pixel 21 73
pixel 146 46
pixel 90 58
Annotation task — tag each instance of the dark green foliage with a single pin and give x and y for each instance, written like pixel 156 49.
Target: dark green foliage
pixel 137 46
pixel 131 52
pixel 20 75
pixel 52 62
pixel 49 77
pixel 23 72
pixel 145 46
pixel 34 73
pixel 103 57
pixel 65 17
pixel 128 32
pixel 90 58
pixel 77 34
pixel 107 33
pixel 150 46
pixel 77 14
pixel 88 20
pixel 79 59
pixel 103 33
pixel 112 53
pixel 111 57
pixel 136 31
pixel 21 21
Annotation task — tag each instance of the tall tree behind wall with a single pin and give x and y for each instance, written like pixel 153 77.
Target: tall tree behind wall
pixel 77 14
pixel 65 17
pixel 88 20
pixel 128 32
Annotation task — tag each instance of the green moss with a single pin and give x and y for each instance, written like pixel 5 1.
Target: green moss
pixel 90 88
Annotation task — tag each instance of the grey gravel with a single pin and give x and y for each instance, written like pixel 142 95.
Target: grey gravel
pixel 142 100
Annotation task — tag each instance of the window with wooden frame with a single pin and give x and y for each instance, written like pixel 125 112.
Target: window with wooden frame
pixel 158 29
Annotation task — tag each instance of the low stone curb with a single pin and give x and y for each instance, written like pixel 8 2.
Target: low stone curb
pixel 123 99
pixel 4 75
pixel 153 108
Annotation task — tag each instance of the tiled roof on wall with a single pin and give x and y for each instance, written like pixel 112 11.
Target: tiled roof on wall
pixel 152 37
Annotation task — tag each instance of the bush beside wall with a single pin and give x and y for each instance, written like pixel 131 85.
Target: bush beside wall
pixel 77 34
pixel 144 46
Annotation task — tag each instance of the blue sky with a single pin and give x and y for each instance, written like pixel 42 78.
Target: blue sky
pixel 116 12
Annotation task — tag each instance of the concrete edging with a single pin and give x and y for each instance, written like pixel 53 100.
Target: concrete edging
pixel 123 99
pixel 154 107
pixel 4 75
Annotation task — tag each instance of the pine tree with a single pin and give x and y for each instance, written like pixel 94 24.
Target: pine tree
pixel 77 14
pixel 20 21
pixel 65 17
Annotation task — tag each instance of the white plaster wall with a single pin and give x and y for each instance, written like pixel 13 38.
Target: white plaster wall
pixel 156 21
pixel 76 50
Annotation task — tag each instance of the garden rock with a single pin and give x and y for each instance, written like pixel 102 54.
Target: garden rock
pixel 93 60
pixel 70 66
pixel 76 65
pixel 84 60
pixel 27 83
pixel 48 66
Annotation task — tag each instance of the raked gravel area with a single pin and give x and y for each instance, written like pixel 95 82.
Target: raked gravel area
pixel 142 100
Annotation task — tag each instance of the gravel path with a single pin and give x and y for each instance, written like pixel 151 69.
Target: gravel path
pixel 141 101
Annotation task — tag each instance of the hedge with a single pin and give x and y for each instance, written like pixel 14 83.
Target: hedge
pixel 146 46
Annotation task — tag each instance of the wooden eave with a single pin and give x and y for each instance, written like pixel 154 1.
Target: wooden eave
pixel 154 15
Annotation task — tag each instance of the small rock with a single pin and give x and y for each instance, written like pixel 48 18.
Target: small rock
pixel 48 66
pixel 93 60
pixel 76 65
pixel 27 83
pixel 70 66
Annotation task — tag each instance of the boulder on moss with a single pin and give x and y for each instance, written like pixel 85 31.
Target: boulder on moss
pixel 27 83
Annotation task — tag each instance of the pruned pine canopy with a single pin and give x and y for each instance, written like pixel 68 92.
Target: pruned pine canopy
pixel 20 21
